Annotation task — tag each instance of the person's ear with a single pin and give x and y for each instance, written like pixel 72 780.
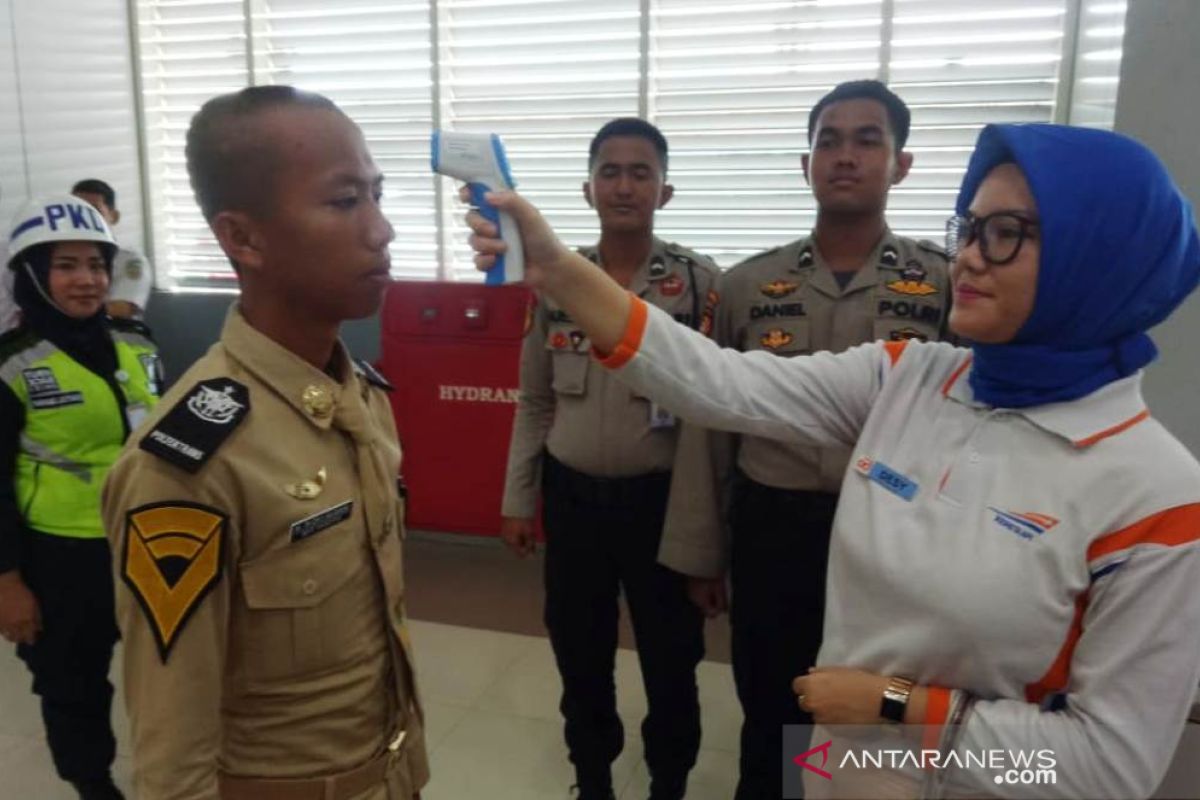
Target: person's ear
pixel 116 217
pixel 804 167
pixel 904 161
pixel 587 193
pixel 664 196
pixel 239 239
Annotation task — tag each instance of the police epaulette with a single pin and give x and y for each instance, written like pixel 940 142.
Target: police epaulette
pixel 372 375
pixel 930 246
pixel 130 326
pixel 189 434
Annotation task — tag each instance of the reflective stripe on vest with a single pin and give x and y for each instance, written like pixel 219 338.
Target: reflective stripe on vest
pixel 74 430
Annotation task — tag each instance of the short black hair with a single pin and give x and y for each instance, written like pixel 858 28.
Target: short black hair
pixel 230 164
pixel 97 186
pixel 899 117
pixel 629 126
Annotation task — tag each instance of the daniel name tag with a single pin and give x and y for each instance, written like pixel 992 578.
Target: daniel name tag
pixel 888 478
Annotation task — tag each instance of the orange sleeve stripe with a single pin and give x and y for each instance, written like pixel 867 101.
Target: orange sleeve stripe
pixel 1113 431
pixel 895 350
pixel 954 378
pixel 1175 526
pixel 631 340
pixel 1055 679
pixel 937 709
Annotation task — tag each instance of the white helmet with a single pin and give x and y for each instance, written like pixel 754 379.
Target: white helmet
pixel 58 218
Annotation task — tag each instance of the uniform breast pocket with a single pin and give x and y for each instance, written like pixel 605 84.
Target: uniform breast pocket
pixel 784 337
pixel 304 603
pixel 570 373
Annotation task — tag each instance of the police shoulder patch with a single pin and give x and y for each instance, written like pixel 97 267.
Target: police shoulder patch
pixel 372 375
pixel 134 268
pixel 199 423
pixel 173 556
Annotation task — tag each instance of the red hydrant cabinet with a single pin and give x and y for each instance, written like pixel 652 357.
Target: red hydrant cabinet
pixel 452 352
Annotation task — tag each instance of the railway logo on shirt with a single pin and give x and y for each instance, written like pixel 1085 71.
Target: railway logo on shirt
pixel 173 557
pixel 775 339
pixel 559 341
pixel 1025 524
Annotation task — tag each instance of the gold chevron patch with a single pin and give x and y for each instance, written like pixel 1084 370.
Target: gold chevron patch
pixel 174 556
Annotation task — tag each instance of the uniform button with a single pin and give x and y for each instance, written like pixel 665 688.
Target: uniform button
pixel 309 586
pixel 975 458
pixel 121 375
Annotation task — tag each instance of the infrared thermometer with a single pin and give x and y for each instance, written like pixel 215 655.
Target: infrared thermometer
pixel 479 160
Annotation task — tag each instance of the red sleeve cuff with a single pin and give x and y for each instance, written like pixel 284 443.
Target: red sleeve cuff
pixel 631 340
pixel 937 709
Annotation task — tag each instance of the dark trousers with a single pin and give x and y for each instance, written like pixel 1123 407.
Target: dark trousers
pixel 780 552
pixel 602 537
pixel 72 581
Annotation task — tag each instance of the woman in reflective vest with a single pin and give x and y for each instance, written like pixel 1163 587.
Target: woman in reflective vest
pixel 73 385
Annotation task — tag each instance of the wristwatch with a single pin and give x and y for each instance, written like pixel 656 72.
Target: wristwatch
pixel 895 699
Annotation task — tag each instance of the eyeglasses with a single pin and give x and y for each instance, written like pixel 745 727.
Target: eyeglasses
pixel 1000 235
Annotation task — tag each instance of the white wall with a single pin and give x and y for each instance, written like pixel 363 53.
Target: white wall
pixel 1159 104
pixel 66 104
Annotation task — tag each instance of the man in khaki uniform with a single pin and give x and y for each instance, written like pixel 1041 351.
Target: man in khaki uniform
pixel 254 518
pixel 601 458
pixel 772 504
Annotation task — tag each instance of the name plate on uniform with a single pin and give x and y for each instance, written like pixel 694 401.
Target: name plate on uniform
pixel 318 522
pixel 877 472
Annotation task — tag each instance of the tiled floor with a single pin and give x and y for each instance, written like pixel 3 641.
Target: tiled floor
pixel 494 728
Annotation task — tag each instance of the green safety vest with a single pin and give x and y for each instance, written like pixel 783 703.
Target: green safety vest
pixel 74 427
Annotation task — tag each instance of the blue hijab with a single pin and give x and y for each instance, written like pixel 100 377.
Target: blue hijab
pixel 1119 251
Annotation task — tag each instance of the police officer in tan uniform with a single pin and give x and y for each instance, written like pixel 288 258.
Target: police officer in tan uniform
pixel 772 504
pixel 255 521
pixel 601 458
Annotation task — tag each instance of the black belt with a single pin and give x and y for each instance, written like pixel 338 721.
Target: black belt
pixel 558 478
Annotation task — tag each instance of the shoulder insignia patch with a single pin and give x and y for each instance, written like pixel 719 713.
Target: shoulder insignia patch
pixel 191 432
pixel 133 269
pixel 372 375
pixel 174 555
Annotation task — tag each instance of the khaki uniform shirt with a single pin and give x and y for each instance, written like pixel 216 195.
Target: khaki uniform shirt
pixel 788 302
pixel 574 408
pixel 260 592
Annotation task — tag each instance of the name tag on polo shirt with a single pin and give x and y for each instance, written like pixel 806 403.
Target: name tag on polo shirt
pixel 877 472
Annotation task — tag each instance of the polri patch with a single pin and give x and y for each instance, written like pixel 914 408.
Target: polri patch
pixel 174 555
pixel 888 478
pixel 191 432
pixel 321 520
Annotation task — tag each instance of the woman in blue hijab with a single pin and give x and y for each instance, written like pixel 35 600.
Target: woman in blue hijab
pixel 1015 563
